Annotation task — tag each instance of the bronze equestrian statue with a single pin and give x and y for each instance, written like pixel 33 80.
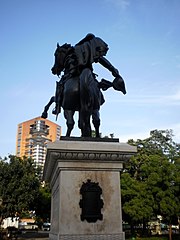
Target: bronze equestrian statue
pixel 78 88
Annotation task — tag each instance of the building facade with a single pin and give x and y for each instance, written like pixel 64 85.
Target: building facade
pixel 33 136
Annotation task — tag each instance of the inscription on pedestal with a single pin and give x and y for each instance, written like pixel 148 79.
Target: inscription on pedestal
pixel 91 202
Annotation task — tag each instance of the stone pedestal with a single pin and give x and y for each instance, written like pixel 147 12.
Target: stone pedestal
pixel 69 165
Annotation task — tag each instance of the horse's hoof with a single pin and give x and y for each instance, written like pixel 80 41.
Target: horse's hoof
pixel 44 115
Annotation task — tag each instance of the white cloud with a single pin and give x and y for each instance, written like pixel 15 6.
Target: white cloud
pixel 134 136
pixel 176 131
pixel 175 97
pixel 123 4
pixel 156 63
pixel 178 65
pixel 142 100
pixel 145 133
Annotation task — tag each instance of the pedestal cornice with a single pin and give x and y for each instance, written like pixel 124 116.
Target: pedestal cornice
pixel 86 152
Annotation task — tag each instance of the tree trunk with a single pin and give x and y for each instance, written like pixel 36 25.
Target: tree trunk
pixel 132 229
pixel 170 232
pixel 144 232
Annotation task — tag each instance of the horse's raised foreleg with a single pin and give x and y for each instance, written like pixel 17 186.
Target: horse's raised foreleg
pixel 69 114
pixel 96 121
pixel 46 108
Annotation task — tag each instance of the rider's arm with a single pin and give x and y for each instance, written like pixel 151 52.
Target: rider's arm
pixel 105 63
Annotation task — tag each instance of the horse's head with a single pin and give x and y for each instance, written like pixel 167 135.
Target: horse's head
pixel 60 55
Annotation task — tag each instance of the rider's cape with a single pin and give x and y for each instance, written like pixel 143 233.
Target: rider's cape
pixel 88 52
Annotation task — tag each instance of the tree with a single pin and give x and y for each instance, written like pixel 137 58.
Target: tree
pixel 19 185
pixel 151 178
pixel 43 204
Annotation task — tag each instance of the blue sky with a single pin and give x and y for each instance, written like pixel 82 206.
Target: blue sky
pixel 144 44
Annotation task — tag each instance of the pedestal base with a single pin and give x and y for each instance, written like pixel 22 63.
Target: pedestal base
pixel 71 166
pixel 88 237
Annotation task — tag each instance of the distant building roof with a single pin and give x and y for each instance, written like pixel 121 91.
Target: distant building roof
pixel 27 220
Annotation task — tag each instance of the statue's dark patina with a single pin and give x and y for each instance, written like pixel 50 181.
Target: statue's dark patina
pixel 78 88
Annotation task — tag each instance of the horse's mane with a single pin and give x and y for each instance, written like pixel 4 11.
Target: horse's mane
pixel 66 45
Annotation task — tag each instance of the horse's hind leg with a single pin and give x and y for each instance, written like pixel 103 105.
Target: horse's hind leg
pixel 96 121
pixel 86 101
pixel 84 124
pixel 68 114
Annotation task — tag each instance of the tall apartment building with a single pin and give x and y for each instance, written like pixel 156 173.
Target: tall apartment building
pixel 33 136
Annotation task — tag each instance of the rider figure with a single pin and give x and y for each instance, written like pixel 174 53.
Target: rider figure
pixel 78 62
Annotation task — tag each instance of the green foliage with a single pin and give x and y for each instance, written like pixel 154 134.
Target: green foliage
pixel 137 202
pixel 19 185
pixel 43 204
pixel 150 181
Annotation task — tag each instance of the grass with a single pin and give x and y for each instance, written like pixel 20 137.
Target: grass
pixel 174 237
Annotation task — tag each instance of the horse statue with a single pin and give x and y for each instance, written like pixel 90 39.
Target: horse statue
pixel 78 88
